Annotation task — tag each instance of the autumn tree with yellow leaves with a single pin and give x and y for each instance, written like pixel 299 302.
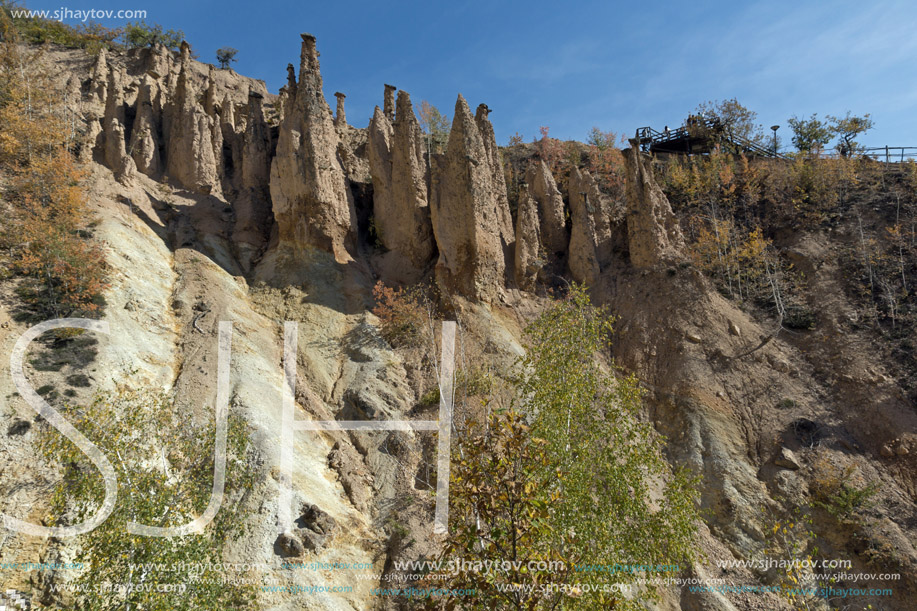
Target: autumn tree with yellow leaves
pixel 44 236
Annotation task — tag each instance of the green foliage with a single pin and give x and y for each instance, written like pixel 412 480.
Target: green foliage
pixel 558 156
pixel 431 397
pixel 580 479
pixel 36 30
pixel 611 460
pixel 141 34
pixel 738 120
pixel 164 467
pixel 606 162
pixel 601 140
pixel 849 499
pixel 500 510
pixel 791 547
pixel 225 56
pixel 435 125
pixel 43 235
pixel 836 491
pixel 91 36
pixel 404 315
pixel 810 134
pixel 847 128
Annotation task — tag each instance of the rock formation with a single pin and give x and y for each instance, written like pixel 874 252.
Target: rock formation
pixel 155 60
pixel 145 134
pixel 231 154
pixel 529 251
pixel 311 202
pixel 497 179
pixel 602 212
pixel 400 206
pixel 379 150
pixel 542 188
pixel 340 117
pixel 654 236
pixel 190 136
pixel 253 206
pixel 115 152
pixel 256 153
pixel 287 92
pixel 466 220
pixel 583 253
pixel 541 233
pixel 453 204
pixel 216 131
pixel 99 78
pixel 388 104
pixel 409 185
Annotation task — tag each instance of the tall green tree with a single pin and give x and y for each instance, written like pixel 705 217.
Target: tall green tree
pixel 847 129
pixel 142 34
pixel 225 56
pixel 810 134
pixel 435 125
pixel 591 485
pixel 738 120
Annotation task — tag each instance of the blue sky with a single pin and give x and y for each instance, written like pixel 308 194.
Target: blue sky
pixel 571 66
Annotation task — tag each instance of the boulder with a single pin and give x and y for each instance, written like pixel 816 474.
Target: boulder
pixel 785 459
pixel 288 545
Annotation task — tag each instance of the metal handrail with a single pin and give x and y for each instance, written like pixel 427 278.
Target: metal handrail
pixel 647 136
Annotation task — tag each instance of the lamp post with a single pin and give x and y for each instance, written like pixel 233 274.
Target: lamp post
pixel 775 128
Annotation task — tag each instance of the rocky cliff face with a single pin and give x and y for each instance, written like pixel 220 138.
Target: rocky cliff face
pixel 467 219
pixel 253 203
pixel 190 133
pixel 300 180
pixel 653 233
pixel 226 177
pixel 311 202
pixel 400 172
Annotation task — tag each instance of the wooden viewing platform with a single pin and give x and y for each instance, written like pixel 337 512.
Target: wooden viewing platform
pixel 698 136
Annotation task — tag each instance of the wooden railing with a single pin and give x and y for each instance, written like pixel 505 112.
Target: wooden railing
pixel 891 154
